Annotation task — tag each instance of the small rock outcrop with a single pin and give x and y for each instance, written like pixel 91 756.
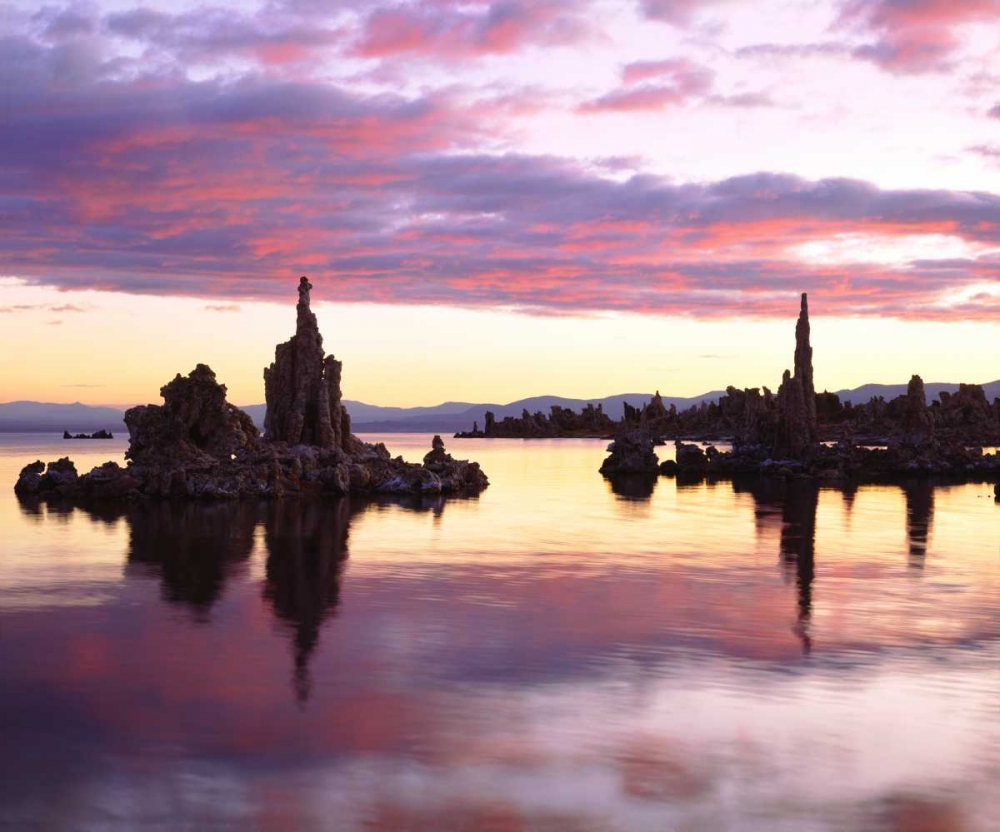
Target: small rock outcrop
pixel 302 387
pixel 97 434
pixel 631 453
pixel 455 474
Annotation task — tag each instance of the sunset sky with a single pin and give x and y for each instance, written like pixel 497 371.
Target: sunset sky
pixel 498 199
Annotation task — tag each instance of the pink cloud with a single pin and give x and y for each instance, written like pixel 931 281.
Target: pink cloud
pixel 914 36
pixel 676 12
pixel 454 31
pixel 677 81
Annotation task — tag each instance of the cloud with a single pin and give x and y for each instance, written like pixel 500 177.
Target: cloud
pixel 209 34
pixel 223 307
pixel 678 71
pixel 657 85
pixel 990 152
pixel 68 307
pixel 914 36
pixel 452 30
pixel 54 323
pixel 994 112
pixel 228 187
pixel 636 99
pixel 794 50
pixel 676 12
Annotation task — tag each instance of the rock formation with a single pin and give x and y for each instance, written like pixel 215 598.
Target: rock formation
pixel 631 453
pixel 560 421
pixel 198 446
pixel 804 365
pixel 195 424
pixel 918 423
pixel 796 432
pixel 302 388
pixel 455 475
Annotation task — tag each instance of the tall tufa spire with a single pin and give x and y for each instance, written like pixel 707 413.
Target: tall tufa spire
pixel 804 366
pixel 302 387
pixel 796 429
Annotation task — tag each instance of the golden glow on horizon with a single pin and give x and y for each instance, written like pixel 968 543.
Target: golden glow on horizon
pixel 120 349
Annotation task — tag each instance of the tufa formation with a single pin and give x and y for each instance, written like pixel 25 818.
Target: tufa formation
pixel 197 445
pixel 302 387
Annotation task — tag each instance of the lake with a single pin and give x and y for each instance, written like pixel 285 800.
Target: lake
pixel 552 655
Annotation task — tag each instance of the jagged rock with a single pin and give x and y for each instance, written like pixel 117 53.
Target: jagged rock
pixel 796 433
pixel 804 366
pixel 631 453
pixel 455 475
pixel 560 421
pixel 58 479
pixel 29 481
pixel 195 423
pixel 792 438
pixel 198 446
pixel 690 456
pixel 437 454
pixel 918 422
pixel 302 388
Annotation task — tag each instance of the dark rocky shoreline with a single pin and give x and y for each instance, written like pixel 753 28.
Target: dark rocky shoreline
pixel 197 445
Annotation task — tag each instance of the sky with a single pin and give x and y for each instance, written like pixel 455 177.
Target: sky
pixel 496 199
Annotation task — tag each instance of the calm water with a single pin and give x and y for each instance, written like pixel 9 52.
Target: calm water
pixel 550 656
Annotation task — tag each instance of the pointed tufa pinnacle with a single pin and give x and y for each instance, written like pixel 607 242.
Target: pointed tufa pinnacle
pixel 804 366
pixel 302 387
pixel 796 432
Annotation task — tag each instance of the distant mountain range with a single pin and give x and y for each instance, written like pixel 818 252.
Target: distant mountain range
pixel 42 417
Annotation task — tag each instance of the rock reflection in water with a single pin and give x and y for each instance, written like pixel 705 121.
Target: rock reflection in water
pixel 193 548
pixel 633 486
pixel 306 550
pixel 919 519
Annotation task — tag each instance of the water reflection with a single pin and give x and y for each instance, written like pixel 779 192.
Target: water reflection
pixel 559 654
pixel 795 504
pixel 633 486
pixel 306 550
pixel 193 548
pixel 919 519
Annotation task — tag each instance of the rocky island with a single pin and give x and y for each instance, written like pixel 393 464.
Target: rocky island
pixel 97 434
pixel 197 445
pixel 778 435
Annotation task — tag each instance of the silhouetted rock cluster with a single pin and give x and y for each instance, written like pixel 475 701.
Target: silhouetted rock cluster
pixel 780 436
pixel 198 445
pixel 559 422
pixel 97 434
